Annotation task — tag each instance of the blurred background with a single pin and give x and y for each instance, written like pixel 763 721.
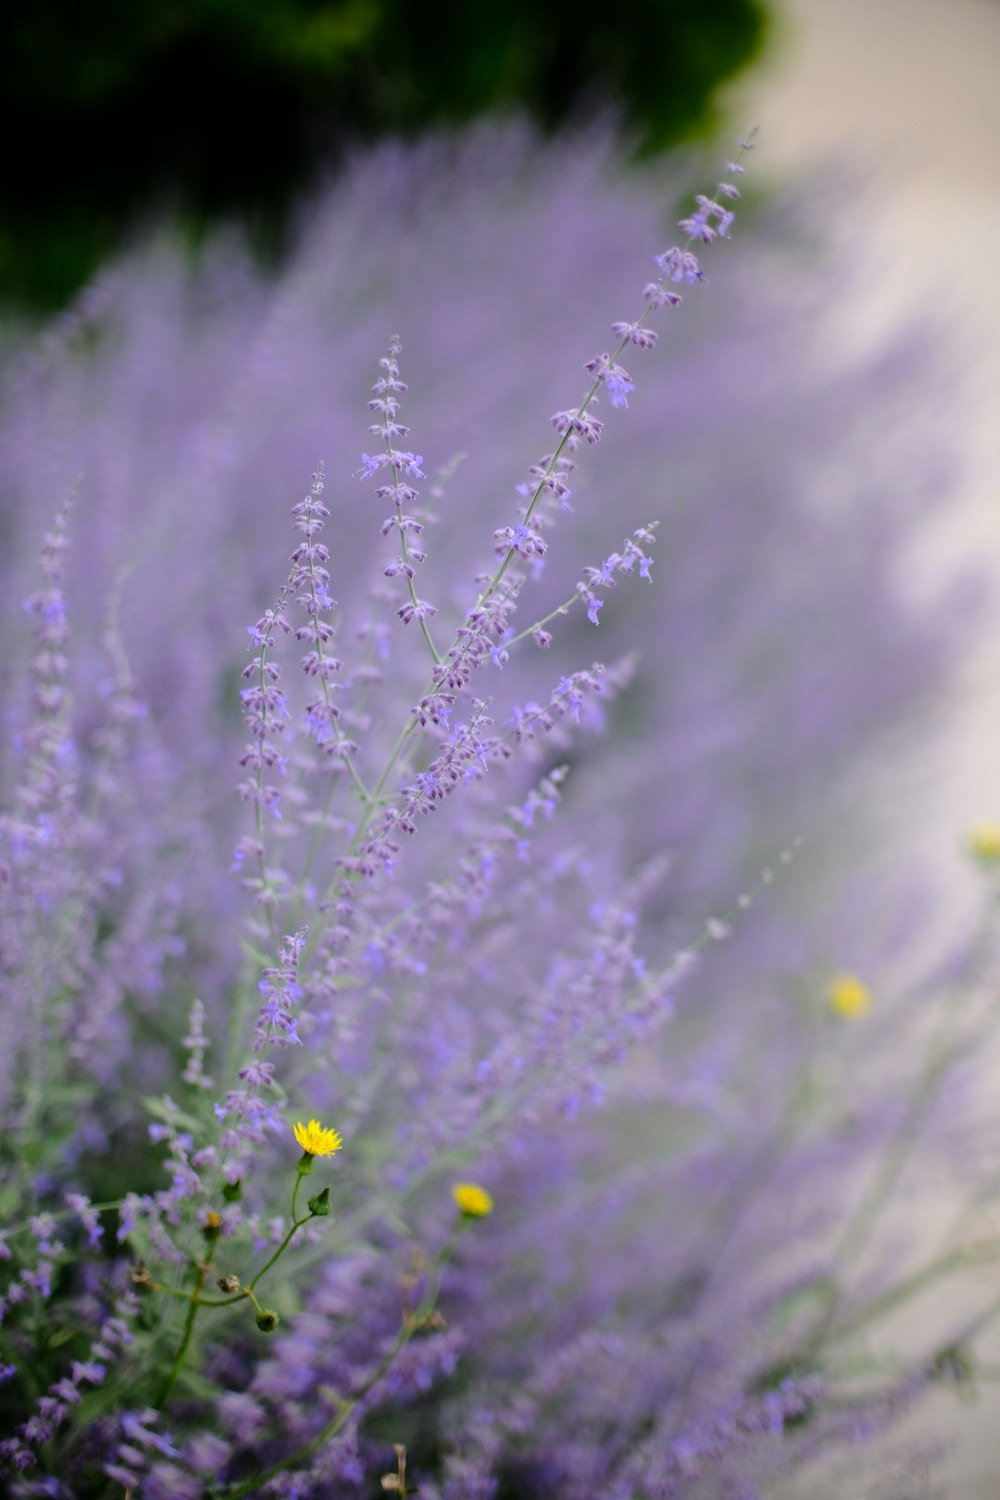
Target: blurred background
pixel 882 117
pixel 222 111
pixel 905 90
pixel 221 108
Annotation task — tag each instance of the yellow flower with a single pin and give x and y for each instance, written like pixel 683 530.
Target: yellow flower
pixel 316 1140
pixel 984 840
pixel 474 1201
pixel 212 1227
pixel 848 997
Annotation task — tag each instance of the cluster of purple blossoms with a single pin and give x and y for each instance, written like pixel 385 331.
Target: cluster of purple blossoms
pixel 474 879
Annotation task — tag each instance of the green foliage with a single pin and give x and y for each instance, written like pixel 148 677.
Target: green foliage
pixel 230 107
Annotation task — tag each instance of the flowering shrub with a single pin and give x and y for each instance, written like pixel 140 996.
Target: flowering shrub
pixel 449 921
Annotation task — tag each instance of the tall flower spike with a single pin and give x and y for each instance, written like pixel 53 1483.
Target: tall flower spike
pixel 481 638
pixel 46 792
pixel 265 712
pixel 253 1106
pixel 401 466
pixel 309 581
pixel 678 264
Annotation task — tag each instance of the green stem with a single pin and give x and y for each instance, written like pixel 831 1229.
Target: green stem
pixel 862 1223
pixel 196 1300
pixel 424 628
pixel 296 1225
pixel 412 1323
pixel 174 1291
pixel 911 1286
pixel 186 1335
pixel 560 609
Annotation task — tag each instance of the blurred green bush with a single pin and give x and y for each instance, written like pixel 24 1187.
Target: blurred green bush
pixel 228 108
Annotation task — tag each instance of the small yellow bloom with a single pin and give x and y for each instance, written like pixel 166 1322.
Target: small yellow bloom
pixel 848 997
pixel 212 1227
pixel 316 1140
pixel 473 1200
pixel 984 840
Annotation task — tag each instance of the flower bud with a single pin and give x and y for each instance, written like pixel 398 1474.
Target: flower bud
pixel 319 1206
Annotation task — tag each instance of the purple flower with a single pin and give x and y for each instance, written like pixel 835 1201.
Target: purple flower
pixel 455 928
pixel 618 386
pixel 370 464
pixel 680 265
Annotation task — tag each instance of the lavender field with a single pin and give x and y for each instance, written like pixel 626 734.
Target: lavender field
pixel 472 1024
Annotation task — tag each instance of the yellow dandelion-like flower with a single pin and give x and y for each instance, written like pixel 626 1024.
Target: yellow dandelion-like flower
pixel 473 1200
pixel 316 1140
pixel 848 997
pixel 984 840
